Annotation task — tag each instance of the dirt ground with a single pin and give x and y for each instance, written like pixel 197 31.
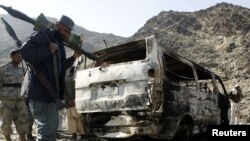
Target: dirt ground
pixel 63 134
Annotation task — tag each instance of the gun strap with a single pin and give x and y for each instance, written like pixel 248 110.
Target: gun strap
pixel 56 62
pixel 46 84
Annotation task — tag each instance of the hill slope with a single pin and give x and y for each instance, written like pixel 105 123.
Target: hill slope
pixel 216 38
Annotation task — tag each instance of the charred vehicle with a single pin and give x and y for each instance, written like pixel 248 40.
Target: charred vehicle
pixel 142 89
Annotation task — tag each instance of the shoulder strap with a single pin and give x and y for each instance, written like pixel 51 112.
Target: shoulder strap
pixel 55 61
pixel 45 83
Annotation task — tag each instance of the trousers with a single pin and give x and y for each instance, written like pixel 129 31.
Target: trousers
pixel 14 110
pixel 74 121
pixel 235 113
pixel 46 118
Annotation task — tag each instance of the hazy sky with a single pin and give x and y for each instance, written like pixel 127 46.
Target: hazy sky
pixel 120 17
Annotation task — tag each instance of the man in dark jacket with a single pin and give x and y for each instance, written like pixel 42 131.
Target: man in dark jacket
pixel 45 53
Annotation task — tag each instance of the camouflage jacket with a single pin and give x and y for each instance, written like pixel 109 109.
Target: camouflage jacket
pixel 10 75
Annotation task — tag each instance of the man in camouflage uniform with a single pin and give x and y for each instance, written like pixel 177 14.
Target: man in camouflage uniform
pixel 13 104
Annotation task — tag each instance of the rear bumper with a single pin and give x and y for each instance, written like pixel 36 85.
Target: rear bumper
pixel 130 102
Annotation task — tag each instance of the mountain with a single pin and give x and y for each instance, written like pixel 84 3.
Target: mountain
pixel 216 38
pixel 92 40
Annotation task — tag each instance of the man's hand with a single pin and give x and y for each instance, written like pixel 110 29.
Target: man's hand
pixel 76 54
pixel 53 47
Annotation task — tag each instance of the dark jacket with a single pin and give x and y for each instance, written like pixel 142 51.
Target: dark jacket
pixel 36 51
pixel 236 98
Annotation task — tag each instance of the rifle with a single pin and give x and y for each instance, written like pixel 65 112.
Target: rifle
pixel 11 33
pixel 46 84
pixel 74 42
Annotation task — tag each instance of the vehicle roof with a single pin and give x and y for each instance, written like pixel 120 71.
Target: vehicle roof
pixel 173 58
pixel 122 47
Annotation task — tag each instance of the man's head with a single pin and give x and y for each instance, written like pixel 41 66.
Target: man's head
pixel 15 57
pixel 237 86
pixel 64 26
pixel 66 21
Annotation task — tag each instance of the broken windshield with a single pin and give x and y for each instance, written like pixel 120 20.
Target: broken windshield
pixel 123 53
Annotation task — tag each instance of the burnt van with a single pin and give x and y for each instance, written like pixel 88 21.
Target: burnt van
pixel 141 89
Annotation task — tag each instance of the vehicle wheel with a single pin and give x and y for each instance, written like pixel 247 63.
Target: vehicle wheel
pixel 183 133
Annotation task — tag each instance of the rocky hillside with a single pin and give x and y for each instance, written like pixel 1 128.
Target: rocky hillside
pixel 216 38
pixel 92 40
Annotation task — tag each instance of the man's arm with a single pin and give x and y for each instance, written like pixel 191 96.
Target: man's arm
pixel 240 93
pixel 70 60
pixel 1 77
pixel 36 49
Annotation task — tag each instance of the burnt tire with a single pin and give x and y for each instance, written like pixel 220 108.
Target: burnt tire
pixel 183 133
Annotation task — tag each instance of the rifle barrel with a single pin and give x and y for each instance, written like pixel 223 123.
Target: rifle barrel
pixel 11 32
pixel 18 14
pixel 24 17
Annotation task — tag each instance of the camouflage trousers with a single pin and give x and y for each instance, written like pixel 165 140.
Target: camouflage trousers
pixel 16 111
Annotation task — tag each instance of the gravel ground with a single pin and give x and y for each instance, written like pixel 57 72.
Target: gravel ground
pixel 63 134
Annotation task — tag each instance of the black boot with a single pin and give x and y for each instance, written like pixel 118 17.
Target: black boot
pixel 87 136
pixel 7 137
pixel 73 136
pixel 22 137
pixel 30 137
pixel 83 137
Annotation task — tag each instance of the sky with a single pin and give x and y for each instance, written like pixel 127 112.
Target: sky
pixel 119 17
